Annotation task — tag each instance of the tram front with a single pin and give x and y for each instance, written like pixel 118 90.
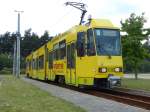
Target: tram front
pixel 108 51
pixel 99 57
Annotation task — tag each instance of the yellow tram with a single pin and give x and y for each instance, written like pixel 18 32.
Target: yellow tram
pixel 85 55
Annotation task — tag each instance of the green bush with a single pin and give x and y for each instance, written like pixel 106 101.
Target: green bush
pixel 9 71
pixel 6 71
pixel 5 61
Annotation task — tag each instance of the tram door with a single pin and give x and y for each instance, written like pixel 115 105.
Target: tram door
pixel 71 74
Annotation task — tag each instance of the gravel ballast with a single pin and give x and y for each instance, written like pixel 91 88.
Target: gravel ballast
pixel 88 102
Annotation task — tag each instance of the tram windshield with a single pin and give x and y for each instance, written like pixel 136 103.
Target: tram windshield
pixel 107 42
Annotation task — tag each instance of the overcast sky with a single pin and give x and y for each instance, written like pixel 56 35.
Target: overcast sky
pixel 55 17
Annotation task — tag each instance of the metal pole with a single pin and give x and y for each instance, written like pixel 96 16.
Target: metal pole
pixel 18 47
pixel 14 58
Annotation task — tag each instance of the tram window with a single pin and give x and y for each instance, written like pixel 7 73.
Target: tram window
pixel 56 51
pixel 72 56
pixel 46 54
pixel 33 64
pixel 81 44
pixel 62 46
pixel 54 55
pixel 57 54
pixel 27 64
pixel 50 60
pixel 41 62
pixel 90 43
pixel 36 64
pixel 68 56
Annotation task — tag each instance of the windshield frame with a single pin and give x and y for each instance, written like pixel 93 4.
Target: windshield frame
pixel 120 44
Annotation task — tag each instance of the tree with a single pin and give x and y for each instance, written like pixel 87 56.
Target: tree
pixel 133 50
pixel 147 46
pixel 44 38
pixel 6 43
pixel 29 42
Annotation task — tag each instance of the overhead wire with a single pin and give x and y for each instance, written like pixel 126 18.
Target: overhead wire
pixel 61 18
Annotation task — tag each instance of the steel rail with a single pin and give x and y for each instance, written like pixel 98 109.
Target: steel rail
pixel 124 97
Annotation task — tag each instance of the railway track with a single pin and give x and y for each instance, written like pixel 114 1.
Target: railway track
pixel 116 95
pixel 123 97
pixel 133 91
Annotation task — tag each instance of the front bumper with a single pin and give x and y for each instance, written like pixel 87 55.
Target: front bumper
pixel 114 81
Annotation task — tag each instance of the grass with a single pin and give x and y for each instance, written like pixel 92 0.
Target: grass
pixel 8 71
pixel 18 96
pixel 142 84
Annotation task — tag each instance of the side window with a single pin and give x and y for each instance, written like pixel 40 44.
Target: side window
pixel 62 46
pixel 68 56
pixel 80 44
pixel 56 51
pixel 33 64
pixel 41 62
pixel 72 56
pixel 50 59
pixel 46 53
pixel 36 63
pixel 27 64
pixel 90 43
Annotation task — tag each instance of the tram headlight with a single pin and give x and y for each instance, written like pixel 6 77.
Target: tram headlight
pixel 102 70
pixel 118 69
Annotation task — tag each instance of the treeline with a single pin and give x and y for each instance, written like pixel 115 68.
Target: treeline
pixel 28 43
